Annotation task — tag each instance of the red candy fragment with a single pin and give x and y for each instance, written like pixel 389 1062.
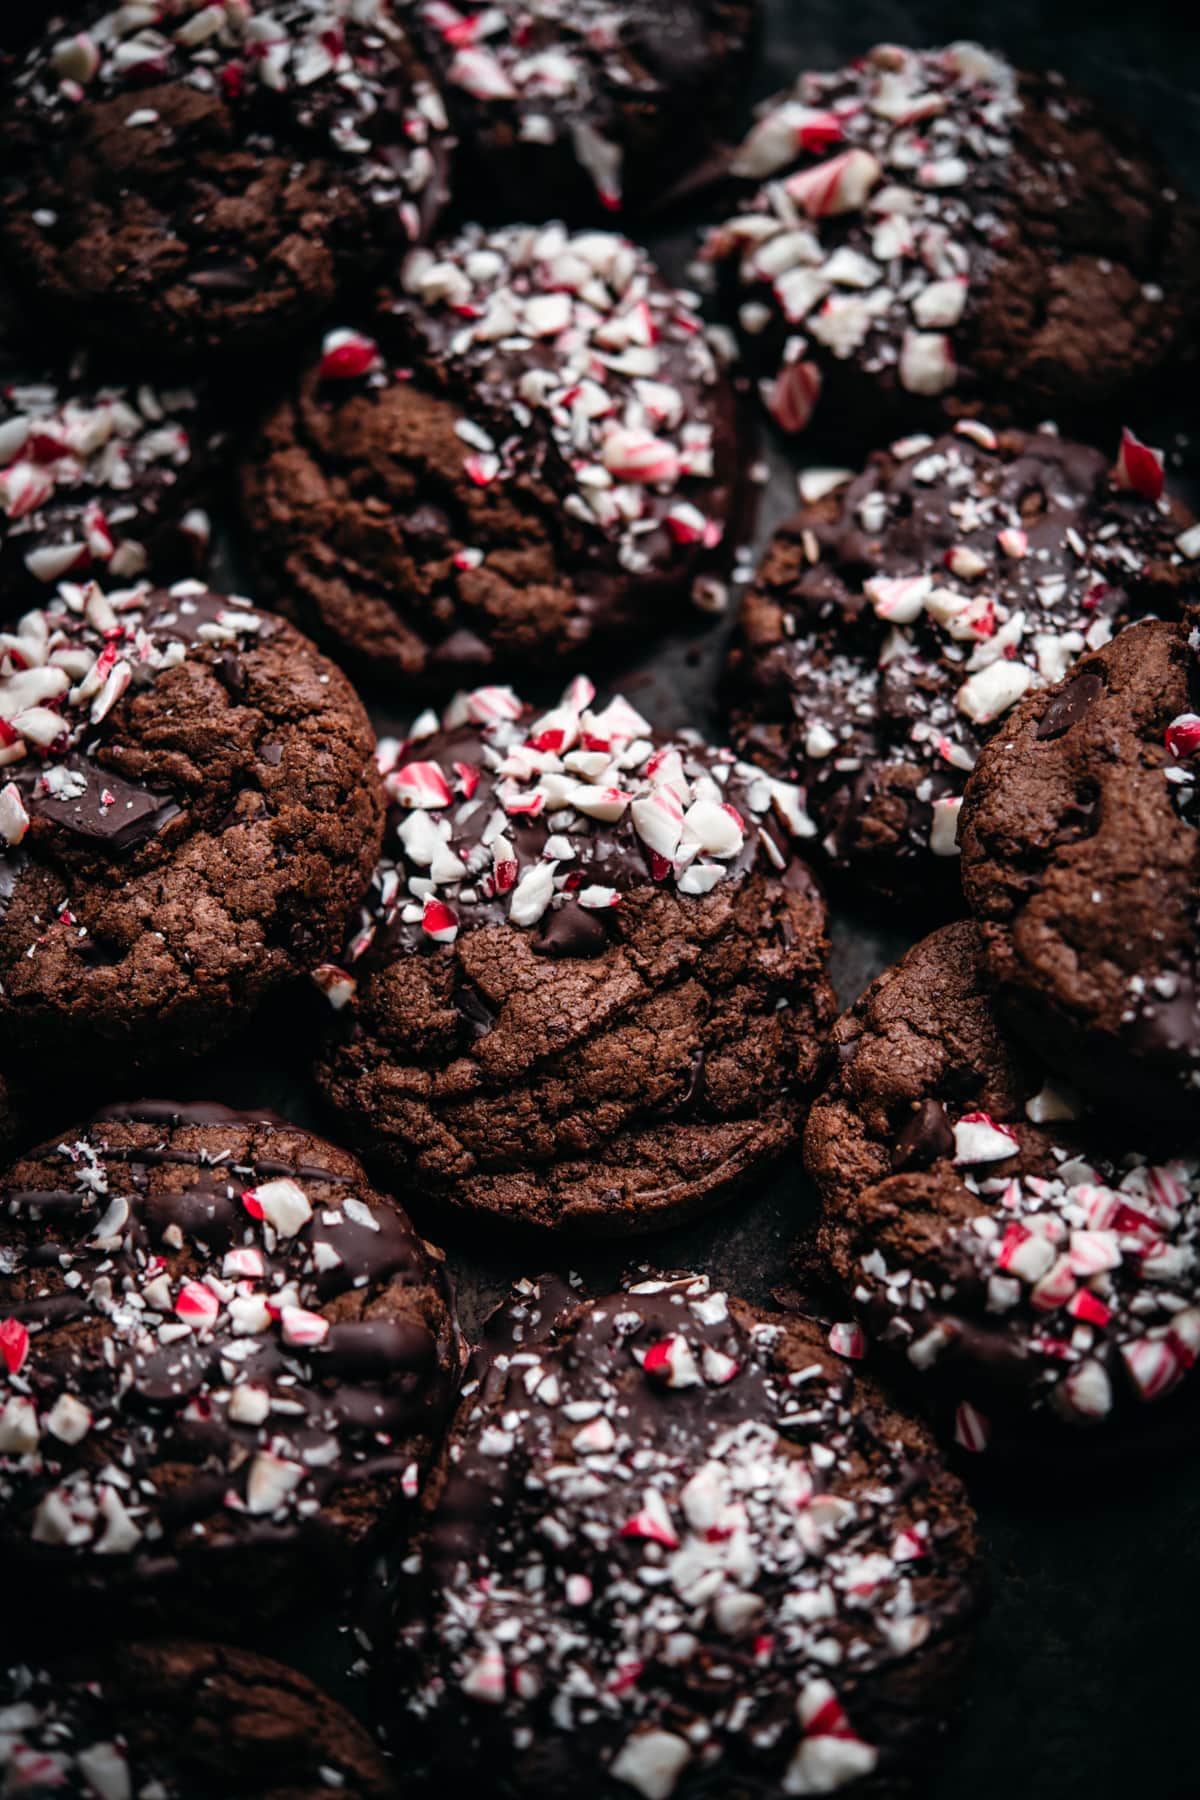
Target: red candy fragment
pixel 1139 467
pixel 14 1345
pixel 345 355
pixel 1183 735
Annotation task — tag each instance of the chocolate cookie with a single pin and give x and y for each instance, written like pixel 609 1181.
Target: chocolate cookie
pixel 574 108
pixel 1032 1266
pixel 903 611
pixel 588 988
pixel 534 454
pixel 207 179
pixel 188 806
pixel 226 1362
pixel 181 1721
pixel 679 1548
pixel 97 477
pixel 938 228
pixel 1081 862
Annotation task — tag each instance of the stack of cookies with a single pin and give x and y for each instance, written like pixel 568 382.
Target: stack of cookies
pixel 325 300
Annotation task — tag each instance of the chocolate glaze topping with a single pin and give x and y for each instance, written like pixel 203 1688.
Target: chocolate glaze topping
pixel 678 1545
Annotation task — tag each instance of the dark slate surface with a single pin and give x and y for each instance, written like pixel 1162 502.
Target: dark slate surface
pixel 1086 1669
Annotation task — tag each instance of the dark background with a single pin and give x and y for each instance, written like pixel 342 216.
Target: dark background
pixel 1087 1667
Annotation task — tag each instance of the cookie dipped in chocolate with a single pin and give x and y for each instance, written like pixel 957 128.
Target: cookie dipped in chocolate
pixel 225 1360
pixel 680 1548
pixel 935 230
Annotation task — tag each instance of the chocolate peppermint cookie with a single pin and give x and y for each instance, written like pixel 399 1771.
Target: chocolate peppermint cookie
pixel 188 806
pixel 98 477
pixel 1030 1265
pixel 588 987
pixel 680 1548
pixel 180 1721
pixel 225 1361
pixel 575 108
pixel 904 610
pixel 936 227
pixel 535 453
pixel 206 179
pixel 1081 862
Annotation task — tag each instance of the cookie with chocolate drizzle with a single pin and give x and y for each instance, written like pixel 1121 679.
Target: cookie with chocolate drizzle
pixel 225 1362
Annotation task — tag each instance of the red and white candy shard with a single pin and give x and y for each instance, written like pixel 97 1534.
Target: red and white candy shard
pixel 978 1138
pixel 901 228
pixel 282 1203
pixel 347 355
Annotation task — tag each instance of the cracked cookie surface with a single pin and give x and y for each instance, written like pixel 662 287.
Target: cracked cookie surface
pixel 225 1361
pixel 184 1721
pixel 588 989
pixel 206 180
pixel 1081 863
pixel 188 805
pixel 904 610
pixel 1027 1265
pixel 681 1548
pixel 534 456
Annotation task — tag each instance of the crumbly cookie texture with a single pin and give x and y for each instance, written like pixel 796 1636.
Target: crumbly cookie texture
pixel 188 803
pixel 531 451
pixel 231 1371
pixel 588 986
pixel 993 1236
pixel 98 477
pixel 904 611
pixel 180 1721
pixel 936 226
pixel 679 1545
pixel 205 178
pixel 1081 862
pixel 583 107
